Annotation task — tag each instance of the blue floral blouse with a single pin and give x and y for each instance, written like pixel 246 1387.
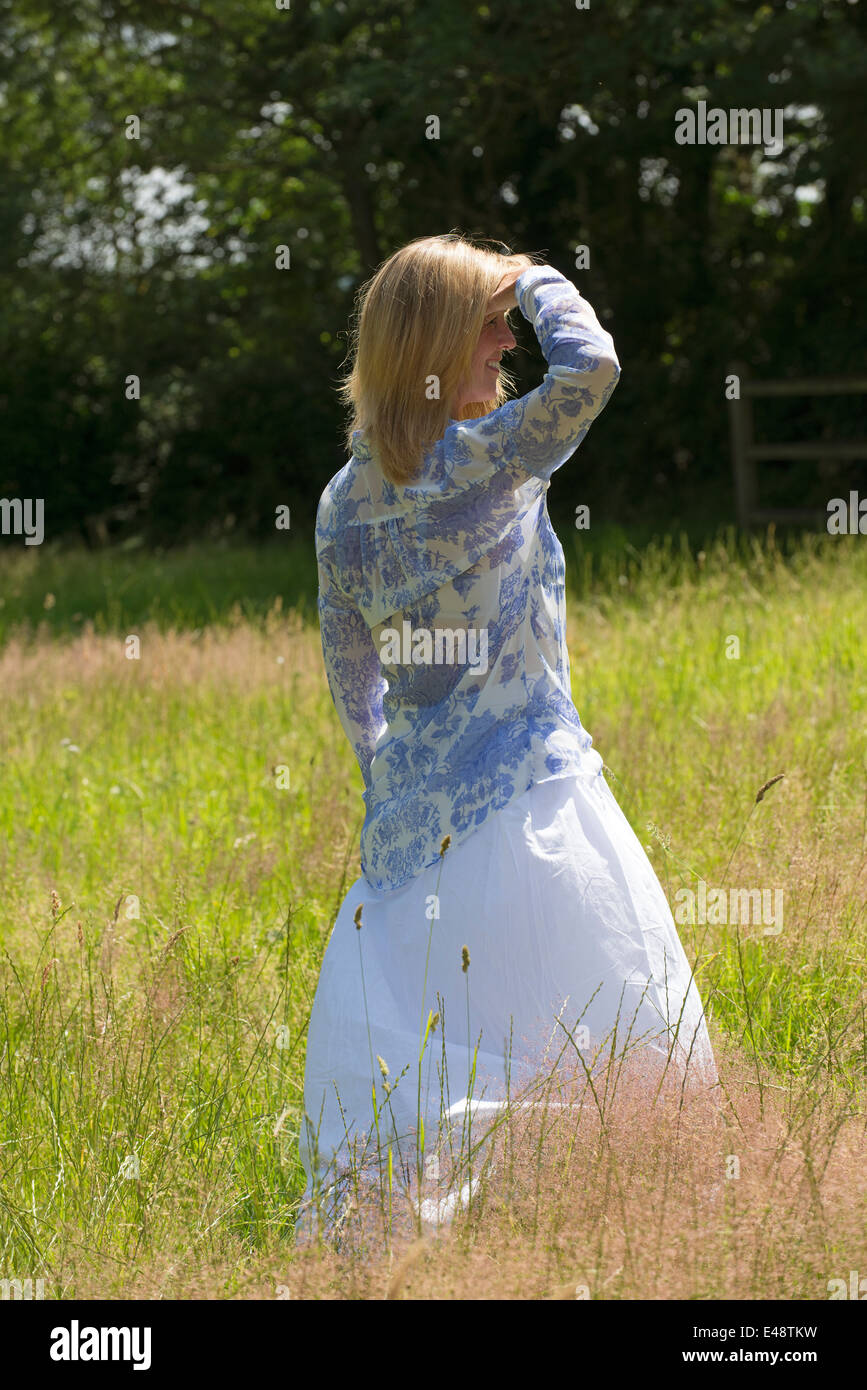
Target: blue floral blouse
pixel 442 604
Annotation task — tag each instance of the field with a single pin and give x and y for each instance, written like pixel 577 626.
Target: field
pixel 165 905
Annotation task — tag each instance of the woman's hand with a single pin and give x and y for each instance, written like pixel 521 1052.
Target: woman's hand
pixel 504 296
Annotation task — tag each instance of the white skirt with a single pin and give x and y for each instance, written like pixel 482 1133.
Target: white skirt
pixel 571 945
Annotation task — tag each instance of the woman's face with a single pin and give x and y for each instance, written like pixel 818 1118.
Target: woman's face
pixel 495 339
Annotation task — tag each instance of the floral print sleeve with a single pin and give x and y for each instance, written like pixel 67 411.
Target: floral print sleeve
pixel 466 551
pixel 538 432
pixel 352 667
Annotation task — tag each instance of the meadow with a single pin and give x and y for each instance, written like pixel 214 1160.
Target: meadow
pixel 166 897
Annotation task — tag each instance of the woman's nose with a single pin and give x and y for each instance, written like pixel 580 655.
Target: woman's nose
pixel 507 338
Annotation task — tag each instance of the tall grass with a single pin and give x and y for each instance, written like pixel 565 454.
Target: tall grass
pixel 165 905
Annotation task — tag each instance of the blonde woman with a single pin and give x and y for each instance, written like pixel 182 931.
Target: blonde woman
pixel 504 897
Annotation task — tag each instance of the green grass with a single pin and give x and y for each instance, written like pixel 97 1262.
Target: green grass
pixel 59 591
pixel 158 1012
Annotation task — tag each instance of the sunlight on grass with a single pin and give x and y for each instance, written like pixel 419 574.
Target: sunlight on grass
pixel 167 898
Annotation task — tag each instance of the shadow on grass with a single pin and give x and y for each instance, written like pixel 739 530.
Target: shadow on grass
pixel 121 588
pixel 57 590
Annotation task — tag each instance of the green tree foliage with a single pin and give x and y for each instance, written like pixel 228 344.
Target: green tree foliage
pixel 307 127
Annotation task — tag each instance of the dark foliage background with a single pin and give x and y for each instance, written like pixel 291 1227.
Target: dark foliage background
pixel 306 128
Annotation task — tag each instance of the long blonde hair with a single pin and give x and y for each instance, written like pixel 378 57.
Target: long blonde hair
pixel 414 330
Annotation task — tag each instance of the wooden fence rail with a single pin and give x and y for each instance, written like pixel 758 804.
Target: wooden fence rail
pixel 746 453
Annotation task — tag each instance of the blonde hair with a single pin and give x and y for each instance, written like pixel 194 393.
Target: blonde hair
pixel 418 317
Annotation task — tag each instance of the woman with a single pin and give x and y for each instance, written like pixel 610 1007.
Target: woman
pixel 506 914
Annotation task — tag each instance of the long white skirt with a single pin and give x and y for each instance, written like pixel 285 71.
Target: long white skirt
pixel 572 949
